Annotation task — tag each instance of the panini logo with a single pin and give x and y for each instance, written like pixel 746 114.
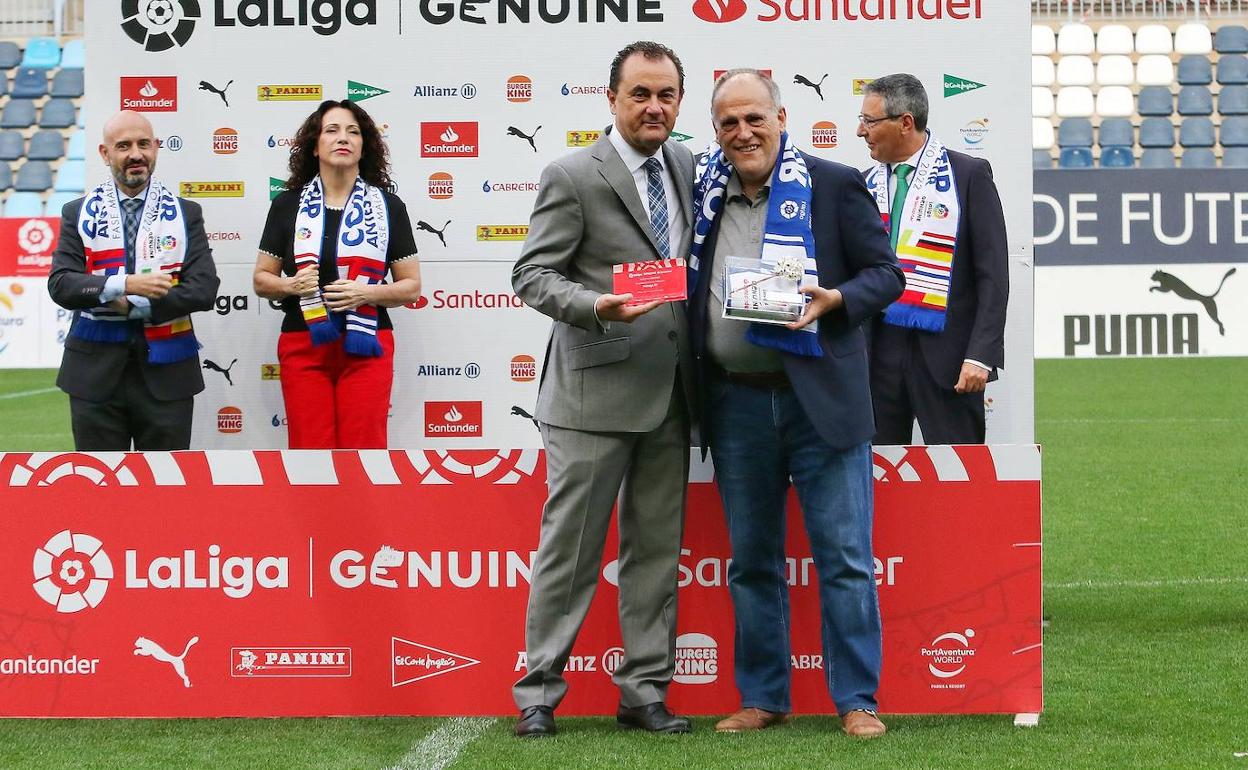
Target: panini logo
pixel 290 93
pixel 270 371
pixel 519 88
pixel 502 232
pixel 859 84
pixel 441 185
pixel 290 662
pixel 225 141
pixel 823 134
pixel 230 420
pixel 583 138
pixel 523 368
pixel 358 92
pixel 955 85
pixel 211 189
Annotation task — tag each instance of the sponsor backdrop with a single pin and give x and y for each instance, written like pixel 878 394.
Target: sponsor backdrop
pixel 473 107
pixel 1141 263
pixel 332 583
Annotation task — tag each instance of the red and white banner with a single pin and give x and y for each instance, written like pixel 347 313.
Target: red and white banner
pixel 252 584
pixel 26 245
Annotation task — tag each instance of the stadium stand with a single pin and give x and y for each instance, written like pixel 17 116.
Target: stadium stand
pixel 1041 102
pixel 30 83
pixel 57 113
pixel 1155 100
pixel 67 83
pixel 1235 157
pixel 1233 100
pixel 10 54
pixel 1195 100
pixel 23 204
pixel 1231 38
pixel 72 55
pixel 12 145
pixel 6 177
pixel 1115 102
pixel 42 53
pixel 18 113
pixel 1233 69
pixel 1115 39
pixel 77 146
pixel 1235 132
pixel 1196 132
pixel 1075 157
pixel 1198 158
pixel 1153 39
pixel 1116 132
pixel 1155 158
pixel 1156 132
pixel 34 176
pixel 57 201
pixel 46 145
pixel 1194 71
pixel 1193 38
pixel 71 177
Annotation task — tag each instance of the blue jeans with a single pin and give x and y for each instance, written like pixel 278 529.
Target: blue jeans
pixel 760 438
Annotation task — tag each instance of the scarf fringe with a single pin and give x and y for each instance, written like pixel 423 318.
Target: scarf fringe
pixel 361 344
pixel 913 317
pixel 323 332
pixel 780 338
pixel 172 350
pixel 91 330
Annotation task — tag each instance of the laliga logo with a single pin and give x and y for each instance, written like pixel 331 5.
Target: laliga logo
pixel 34 236
pixel 72 571
pixel 488 466
pixel 159 24
pixel 719 11
pixel 946 657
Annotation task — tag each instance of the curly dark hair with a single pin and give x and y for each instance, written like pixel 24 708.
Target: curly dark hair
pixel 374 155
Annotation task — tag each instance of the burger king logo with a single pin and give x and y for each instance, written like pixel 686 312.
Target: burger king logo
pixel 519 88
pixel 523 368
pixel 230 420
pixel 823 134
pixel 441 186
pixel 225 141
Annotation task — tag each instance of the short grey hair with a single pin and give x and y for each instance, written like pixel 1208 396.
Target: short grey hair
pixel 763 77
pixel 901 93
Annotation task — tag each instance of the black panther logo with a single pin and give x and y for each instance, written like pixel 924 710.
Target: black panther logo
pixel 204 85
pixel 518 412
pixel 802 81
pixel 423 225
pixel 513 131
pixel 214 366
pixel 1167 282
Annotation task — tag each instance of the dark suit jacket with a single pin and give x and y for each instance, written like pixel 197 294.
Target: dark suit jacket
pixel 853 255
pixel 979 286
pixel 91 370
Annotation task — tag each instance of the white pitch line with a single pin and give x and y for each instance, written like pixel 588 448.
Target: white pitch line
pixel 25 393
pixel 1029 647
pixel 1135 420
pixel 440 748
pixel 1149 583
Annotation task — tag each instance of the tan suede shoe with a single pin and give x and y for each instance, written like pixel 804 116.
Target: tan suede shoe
pixel 750 719
pixel 861 723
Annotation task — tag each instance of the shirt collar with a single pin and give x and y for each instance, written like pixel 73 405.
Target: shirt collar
pixel 733 188
pixel 629 154
pixel 121 195
pixel 912 161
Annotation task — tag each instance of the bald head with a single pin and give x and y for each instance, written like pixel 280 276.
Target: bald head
pixel 129 150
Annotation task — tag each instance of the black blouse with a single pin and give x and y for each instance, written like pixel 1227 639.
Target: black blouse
pixel 278 239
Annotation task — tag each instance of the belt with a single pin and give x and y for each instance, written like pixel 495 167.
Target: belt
pixel 764 380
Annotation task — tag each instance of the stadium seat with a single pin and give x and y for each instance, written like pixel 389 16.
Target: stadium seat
pixel 1075 102
pixel 12 145
pixel 72 56
pixel 1196 132
pixel 1199 157
pixel 1074 71
pixel 1156 132
pixel 1115 102
pixel 1041 102
pixel 72 176
pixel 1075 157
pixel 4 84
pixel 10 55
pixel 46 145
pixel 24 205
pixel 1231 38
pixel 1195 100
pixel 1234 132
pixel 1074 132
pixel 1154 70
pixel 6 177
pixel 1193 38
pixel 1155 100
pixel 42 52
pixel 1153 39
pixel 82 117
pixel 1233 70
pixel 1157 158
pixel 1043 40
pixel 1233 100
pixel 1116 132
pixel 57 113
pixel 1235 157
pixel 30 83
pixel 1041 159
pixel 33 176
pixel 1041 134
pixel 18 113
pixel 1075 39
pixel 1042 71
pixel 57 201
pixel 1117 157
pixel 67 84
pixel 77 146
pixel 1114 39
pixel 1115 70
pixel 1194 71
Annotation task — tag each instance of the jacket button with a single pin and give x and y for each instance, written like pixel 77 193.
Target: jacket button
pixel 671 335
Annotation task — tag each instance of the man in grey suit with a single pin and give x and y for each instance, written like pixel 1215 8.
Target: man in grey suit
pixel 615 396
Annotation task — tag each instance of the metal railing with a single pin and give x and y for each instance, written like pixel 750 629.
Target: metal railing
pixel 1074 10
pixel 28 18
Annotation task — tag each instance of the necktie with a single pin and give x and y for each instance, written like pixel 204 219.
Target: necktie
pixel 902 171
pixel 131 209
pixel 658 205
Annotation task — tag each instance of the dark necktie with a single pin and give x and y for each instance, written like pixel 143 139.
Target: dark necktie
pixel 658 205
pixel 132 208
pixel 902 171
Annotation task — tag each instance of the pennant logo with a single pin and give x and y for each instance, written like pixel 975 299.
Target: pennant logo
pixel 358 92
pixel 955 85
pixel 411 662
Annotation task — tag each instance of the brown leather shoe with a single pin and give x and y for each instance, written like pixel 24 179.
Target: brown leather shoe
pixel 861 723
pixel 750 719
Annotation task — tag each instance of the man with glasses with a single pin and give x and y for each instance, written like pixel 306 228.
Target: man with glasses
pixel 935 349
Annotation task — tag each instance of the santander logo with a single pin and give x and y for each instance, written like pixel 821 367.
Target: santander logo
pixel 449 136
pixel 453 414
pixel 719 11
pixel 148 89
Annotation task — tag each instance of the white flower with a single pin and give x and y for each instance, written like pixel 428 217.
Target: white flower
pixel 791 268
pixel 72 572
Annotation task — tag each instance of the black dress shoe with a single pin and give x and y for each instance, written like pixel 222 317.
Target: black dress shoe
pixel 536 722
pixel 653 717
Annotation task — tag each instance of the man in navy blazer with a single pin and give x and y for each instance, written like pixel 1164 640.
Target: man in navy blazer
pixel 769 416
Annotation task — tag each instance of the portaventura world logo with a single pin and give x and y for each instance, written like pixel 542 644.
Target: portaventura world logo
pixel 948 654
pixel 725 11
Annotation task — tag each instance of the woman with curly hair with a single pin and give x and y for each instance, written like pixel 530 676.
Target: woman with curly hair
pixel 328 243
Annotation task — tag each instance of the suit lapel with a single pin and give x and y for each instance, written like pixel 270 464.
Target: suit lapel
pixel 618 176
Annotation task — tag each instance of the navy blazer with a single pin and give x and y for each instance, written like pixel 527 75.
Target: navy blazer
pixel 853 255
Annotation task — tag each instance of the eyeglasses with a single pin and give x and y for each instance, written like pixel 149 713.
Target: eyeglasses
pixel 870 122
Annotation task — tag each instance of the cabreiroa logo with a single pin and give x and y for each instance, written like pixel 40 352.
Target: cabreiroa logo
pixel 72 571
pixel 290 662
pixel 502 232
pixel 159 25
pixel 441 186
pixel 211 189
pixel 229 420
pixel 519 88
pixel 150 94
pixel 823 134
pixel 955 85
pixel 225 141
pixel 449 139
pixel 523 368
pixel 719 11
pixel 453 419
pixel 412 661
pixel 305 92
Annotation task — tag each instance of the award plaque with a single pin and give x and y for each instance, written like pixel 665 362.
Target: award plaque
pixel 763 292
pixel 658 280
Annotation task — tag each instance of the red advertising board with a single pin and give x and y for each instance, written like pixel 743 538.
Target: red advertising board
pixel 26 245
pixel 395 582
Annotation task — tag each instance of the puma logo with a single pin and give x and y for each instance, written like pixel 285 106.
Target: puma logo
pixel 214 366
pixel 423 225
pixel 1167 282
pixel 145 646
pixel 513 131
pixel 204 85
pixel 802 81
pixel 518 412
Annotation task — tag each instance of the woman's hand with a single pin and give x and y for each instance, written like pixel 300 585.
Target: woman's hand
pixel 343 295
pixel 304 282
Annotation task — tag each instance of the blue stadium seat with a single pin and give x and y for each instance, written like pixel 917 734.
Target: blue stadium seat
pixel 77 146
pixel 1155 100
pixel 67 83
pixel 57 201
pixel 72 56
pixel 1075 157
pixel 30 83
pixel 1198 157
pixel 1235 157
pixel 1233 100
pixel 1156 132
pixel 33 176
pixel 1235 132
pixel 82 117
pixel 57 113
pixel 18 113
pixel 46 145
pixel 1194 70
pixel 42 52
pixel 72 177
pixel 1116 132
pixel 1231 38
pixel 24 204
pixel 12 145
pixel 6 177
pixel 1074 132
pixel 10 55
pixel 1157 158
pixel 1196 132
pixel 1233 70
pixel 1117 157
pixel 1041 159
pixel 1195 100
pixel 4 83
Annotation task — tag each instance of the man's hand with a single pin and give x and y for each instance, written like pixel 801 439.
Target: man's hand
pixel 821 301
pixel 121 305
pixel 343 294
pixel 973 379
pixel 304 283
pixel 150 285
pixel 615 307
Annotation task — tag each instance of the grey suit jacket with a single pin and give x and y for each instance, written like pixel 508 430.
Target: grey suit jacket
pixel 587 218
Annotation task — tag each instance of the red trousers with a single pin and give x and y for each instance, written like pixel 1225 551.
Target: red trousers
pixel 334 400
